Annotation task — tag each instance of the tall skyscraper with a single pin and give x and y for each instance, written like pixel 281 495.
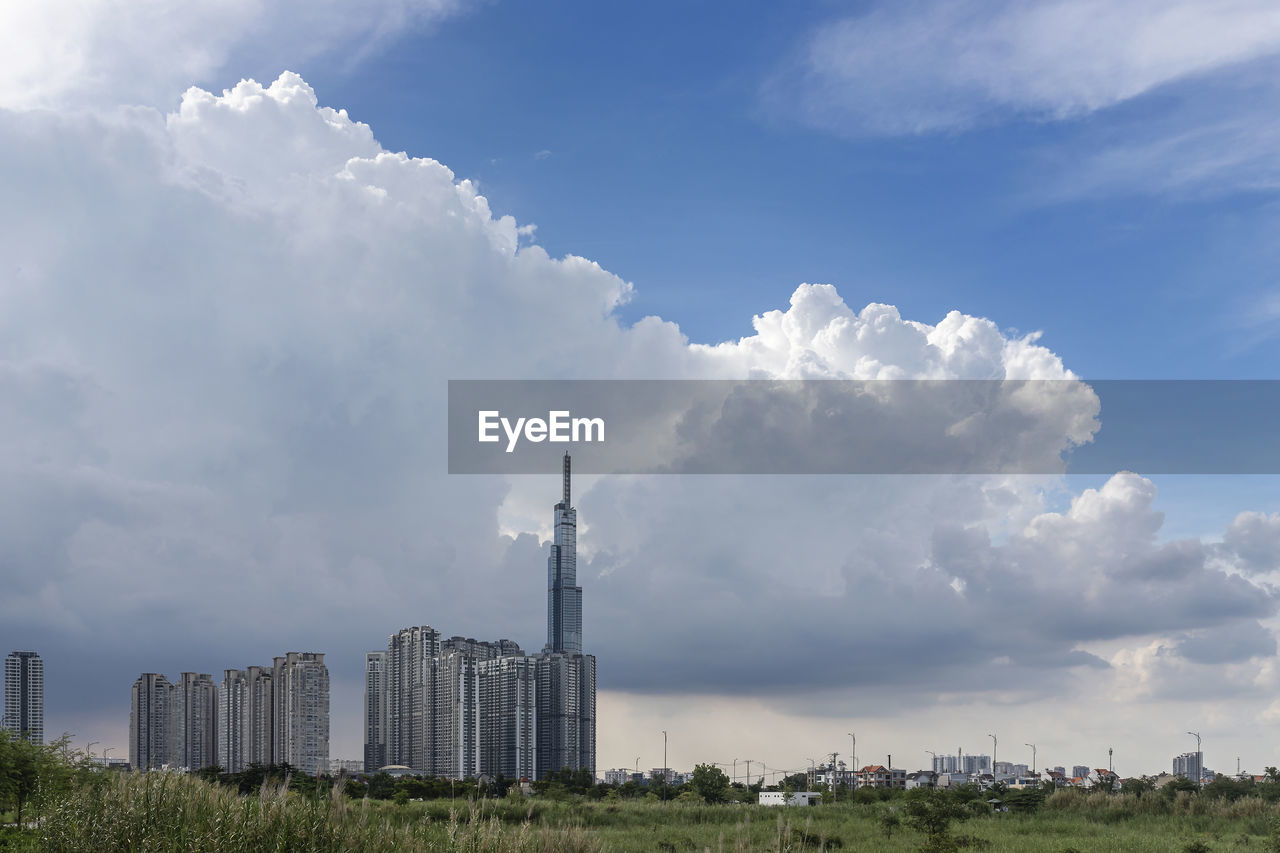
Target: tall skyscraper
pixel 24 695
pixel 300 699
pixel 508 723
pixel 410 733
pixel 232 699
pixel 259 705
pixel 459 707
pixel 375 711
pixel 566 678
pixel 564 596
pixel 195 721
pixel 151 722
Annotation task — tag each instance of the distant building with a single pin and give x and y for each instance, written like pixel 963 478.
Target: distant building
pixel 1081 770
pixel 300 718
pixel 350 766
pixel 922 779
pixel 462 707
pixel 151 722
pixel 232 695
pixel 1191 765
pixel 879 776
pixel 375 709
pixel 798 798
pixel 195 721
pixel 617 777
pixel 24 695
pixel 961 763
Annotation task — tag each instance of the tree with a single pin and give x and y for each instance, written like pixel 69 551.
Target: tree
pixel 932 812
pixel 710 783
pixel 1137 785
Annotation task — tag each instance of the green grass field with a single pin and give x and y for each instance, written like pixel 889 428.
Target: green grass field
pixel 170 812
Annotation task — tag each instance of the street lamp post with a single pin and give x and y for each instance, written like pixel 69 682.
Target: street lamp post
pixel 1199 761
pixel 664 765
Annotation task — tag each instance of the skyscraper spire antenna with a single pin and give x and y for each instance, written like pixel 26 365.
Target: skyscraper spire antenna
pixel 566 478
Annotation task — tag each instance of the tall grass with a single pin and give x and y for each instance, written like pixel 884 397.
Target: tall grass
pixel 142 813
pixel 154 812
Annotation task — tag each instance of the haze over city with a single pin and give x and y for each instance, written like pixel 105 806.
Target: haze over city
pixel 245 247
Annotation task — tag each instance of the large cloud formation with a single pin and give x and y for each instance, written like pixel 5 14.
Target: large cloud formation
pixel 225 336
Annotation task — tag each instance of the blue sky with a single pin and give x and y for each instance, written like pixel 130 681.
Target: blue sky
pixel 631 136
pixel 228 314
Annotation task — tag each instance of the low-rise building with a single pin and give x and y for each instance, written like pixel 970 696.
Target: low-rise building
pixel 797 798
pixel 879 776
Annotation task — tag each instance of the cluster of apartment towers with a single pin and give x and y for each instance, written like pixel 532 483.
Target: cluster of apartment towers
pixel 444 707
pixel 276 714
pixel 457 707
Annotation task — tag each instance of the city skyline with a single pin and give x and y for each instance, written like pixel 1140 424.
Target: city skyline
pixel 244 253
pixel 458 707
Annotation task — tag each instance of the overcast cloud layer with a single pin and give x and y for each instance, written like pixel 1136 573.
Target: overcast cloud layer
pixel 226 324
pixel 225 333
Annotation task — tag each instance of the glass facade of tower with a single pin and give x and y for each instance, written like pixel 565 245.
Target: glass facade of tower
pixel 24 695
pixel 564 596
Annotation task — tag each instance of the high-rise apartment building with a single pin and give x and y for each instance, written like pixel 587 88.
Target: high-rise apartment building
pixel 258 709
pixel 195 712
pixel 232 698
pixel 566 697
pixel 173 724
pixel 1191 765
pixel 24 695
pixel 409 731
pixel 300 701
pixel 461 707
pixel 375 711
pixel 151 722
pixel 508 716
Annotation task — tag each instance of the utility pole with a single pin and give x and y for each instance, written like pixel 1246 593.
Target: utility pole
pixel 748 773
pixel 1199 761
pixel 664 765
pixel 735 771
pixel 1110 766
pixel 853 750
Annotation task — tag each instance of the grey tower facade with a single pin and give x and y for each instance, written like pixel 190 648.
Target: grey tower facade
pixel 564 596
pixel 300 722
pixel 195 721
pixel 565 677
pixel 375 711
pixel 24 695
pixel 232 696
pixel 151 722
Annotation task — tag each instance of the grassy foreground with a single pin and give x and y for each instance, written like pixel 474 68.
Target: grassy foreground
pixel 140 813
